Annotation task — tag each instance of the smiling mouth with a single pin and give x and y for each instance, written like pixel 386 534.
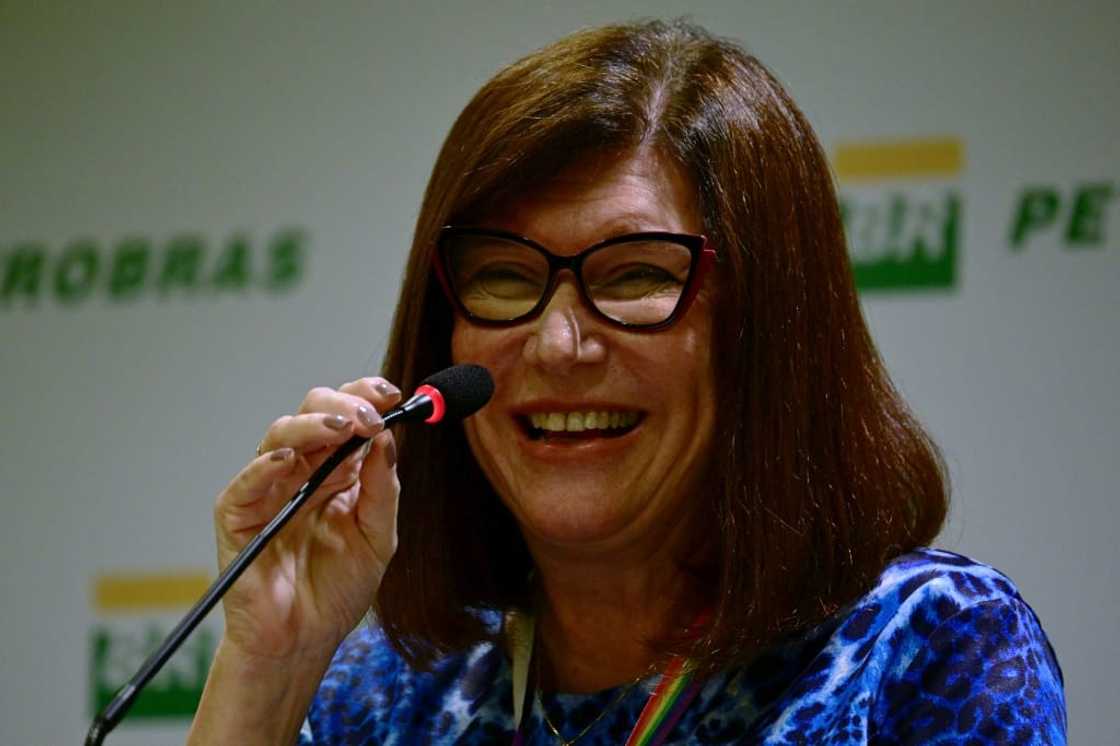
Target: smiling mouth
pixel 580 425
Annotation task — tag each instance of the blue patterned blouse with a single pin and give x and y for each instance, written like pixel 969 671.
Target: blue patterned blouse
pixel 942 651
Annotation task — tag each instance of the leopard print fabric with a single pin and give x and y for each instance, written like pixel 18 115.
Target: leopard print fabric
pixel 942 651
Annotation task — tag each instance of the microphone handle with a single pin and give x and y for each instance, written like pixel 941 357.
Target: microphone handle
pixel 418 407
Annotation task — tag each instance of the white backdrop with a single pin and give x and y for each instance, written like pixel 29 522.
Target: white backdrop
pixel 217 125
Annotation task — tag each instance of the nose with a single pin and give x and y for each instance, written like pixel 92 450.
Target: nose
pixel 564 335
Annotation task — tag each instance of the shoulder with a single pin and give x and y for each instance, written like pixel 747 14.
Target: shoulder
pixel 370 694
pixel 928 596
pixel 957 650
pixel 914 595
pixel 942 649
pixel 359 688
pixel 364 657
pixel 924 588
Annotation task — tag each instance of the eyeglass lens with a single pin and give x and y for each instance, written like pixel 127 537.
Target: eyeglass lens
pixel 636 282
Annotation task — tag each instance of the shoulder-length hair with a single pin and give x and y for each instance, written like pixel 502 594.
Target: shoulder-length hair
pixel 820 475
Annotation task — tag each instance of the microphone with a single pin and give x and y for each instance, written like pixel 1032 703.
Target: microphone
pixel 455 392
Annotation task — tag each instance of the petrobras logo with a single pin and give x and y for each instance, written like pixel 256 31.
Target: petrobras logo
pixel 134 612
pixel 902 211
pixel 129 268
pixel 1072 217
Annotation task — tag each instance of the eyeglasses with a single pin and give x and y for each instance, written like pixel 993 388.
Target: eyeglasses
pixel 642 281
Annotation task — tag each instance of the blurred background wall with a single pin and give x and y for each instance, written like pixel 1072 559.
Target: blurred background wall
pixel 204 209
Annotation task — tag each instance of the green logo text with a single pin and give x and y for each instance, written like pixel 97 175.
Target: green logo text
pixel 902 239
pixel 133 267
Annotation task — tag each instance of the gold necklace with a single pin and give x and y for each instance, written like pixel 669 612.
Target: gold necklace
pixel 587 728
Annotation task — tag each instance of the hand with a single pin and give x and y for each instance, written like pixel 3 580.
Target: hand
pixel 314 581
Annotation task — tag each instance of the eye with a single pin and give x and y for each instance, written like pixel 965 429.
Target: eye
pixel 501 274
pixel 636 280
pixel 501 280
pixel 644 273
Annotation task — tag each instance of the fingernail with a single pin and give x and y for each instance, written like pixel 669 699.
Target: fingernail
pixel 386 389
pixel 281 454
pixel 391 453
pixel 369 419
pixel 335 421
pixel 364 450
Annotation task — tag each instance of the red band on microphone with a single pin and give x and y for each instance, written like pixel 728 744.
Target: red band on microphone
pixel 439 408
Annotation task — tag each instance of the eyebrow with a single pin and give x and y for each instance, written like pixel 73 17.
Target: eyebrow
pixel 631 223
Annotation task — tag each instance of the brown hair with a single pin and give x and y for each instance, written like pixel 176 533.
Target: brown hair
pixel 823 475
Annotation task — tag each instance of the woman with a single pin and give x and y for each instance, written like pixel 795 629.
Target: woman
pixel 694 472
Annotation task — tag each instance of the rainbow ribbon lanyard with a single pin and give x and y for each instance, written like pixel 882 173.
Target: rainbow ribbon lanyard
pixel 663 709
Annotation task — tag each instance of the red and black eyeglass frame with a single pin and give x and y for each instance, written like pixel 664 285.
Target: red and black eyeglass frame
pixel 703 257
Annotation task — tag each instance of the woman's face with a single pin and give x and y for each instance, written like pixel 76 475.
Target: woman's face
pixel 594 489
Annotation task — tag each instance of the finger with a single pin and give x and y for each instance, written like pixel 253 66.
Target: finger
pixel 345 473
pixel 342 490
pixel 367 420
pixel 311 432
pixel 339 479
pixel 342 478
pixel 378 496
pixel 375 390
pixel 250 498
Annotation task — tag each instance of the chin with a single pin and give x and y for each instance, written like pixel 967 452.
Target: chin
pixel 570 520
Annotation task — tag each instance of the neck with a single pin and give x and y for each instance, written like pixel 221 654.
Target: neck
pixel 597 614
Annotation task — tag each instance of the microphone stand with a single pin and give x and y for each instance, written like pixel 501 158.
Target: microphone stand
pixel 420 406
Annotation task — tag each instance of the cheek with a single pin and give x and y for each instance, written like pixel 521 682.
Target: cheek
pixel 474 344
pixel 470 429
pixel 460 341
pixel 464 349
pixel 693 341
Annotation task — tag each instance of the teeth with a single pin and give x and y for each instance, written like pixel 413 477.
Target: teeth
pixel 576 422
